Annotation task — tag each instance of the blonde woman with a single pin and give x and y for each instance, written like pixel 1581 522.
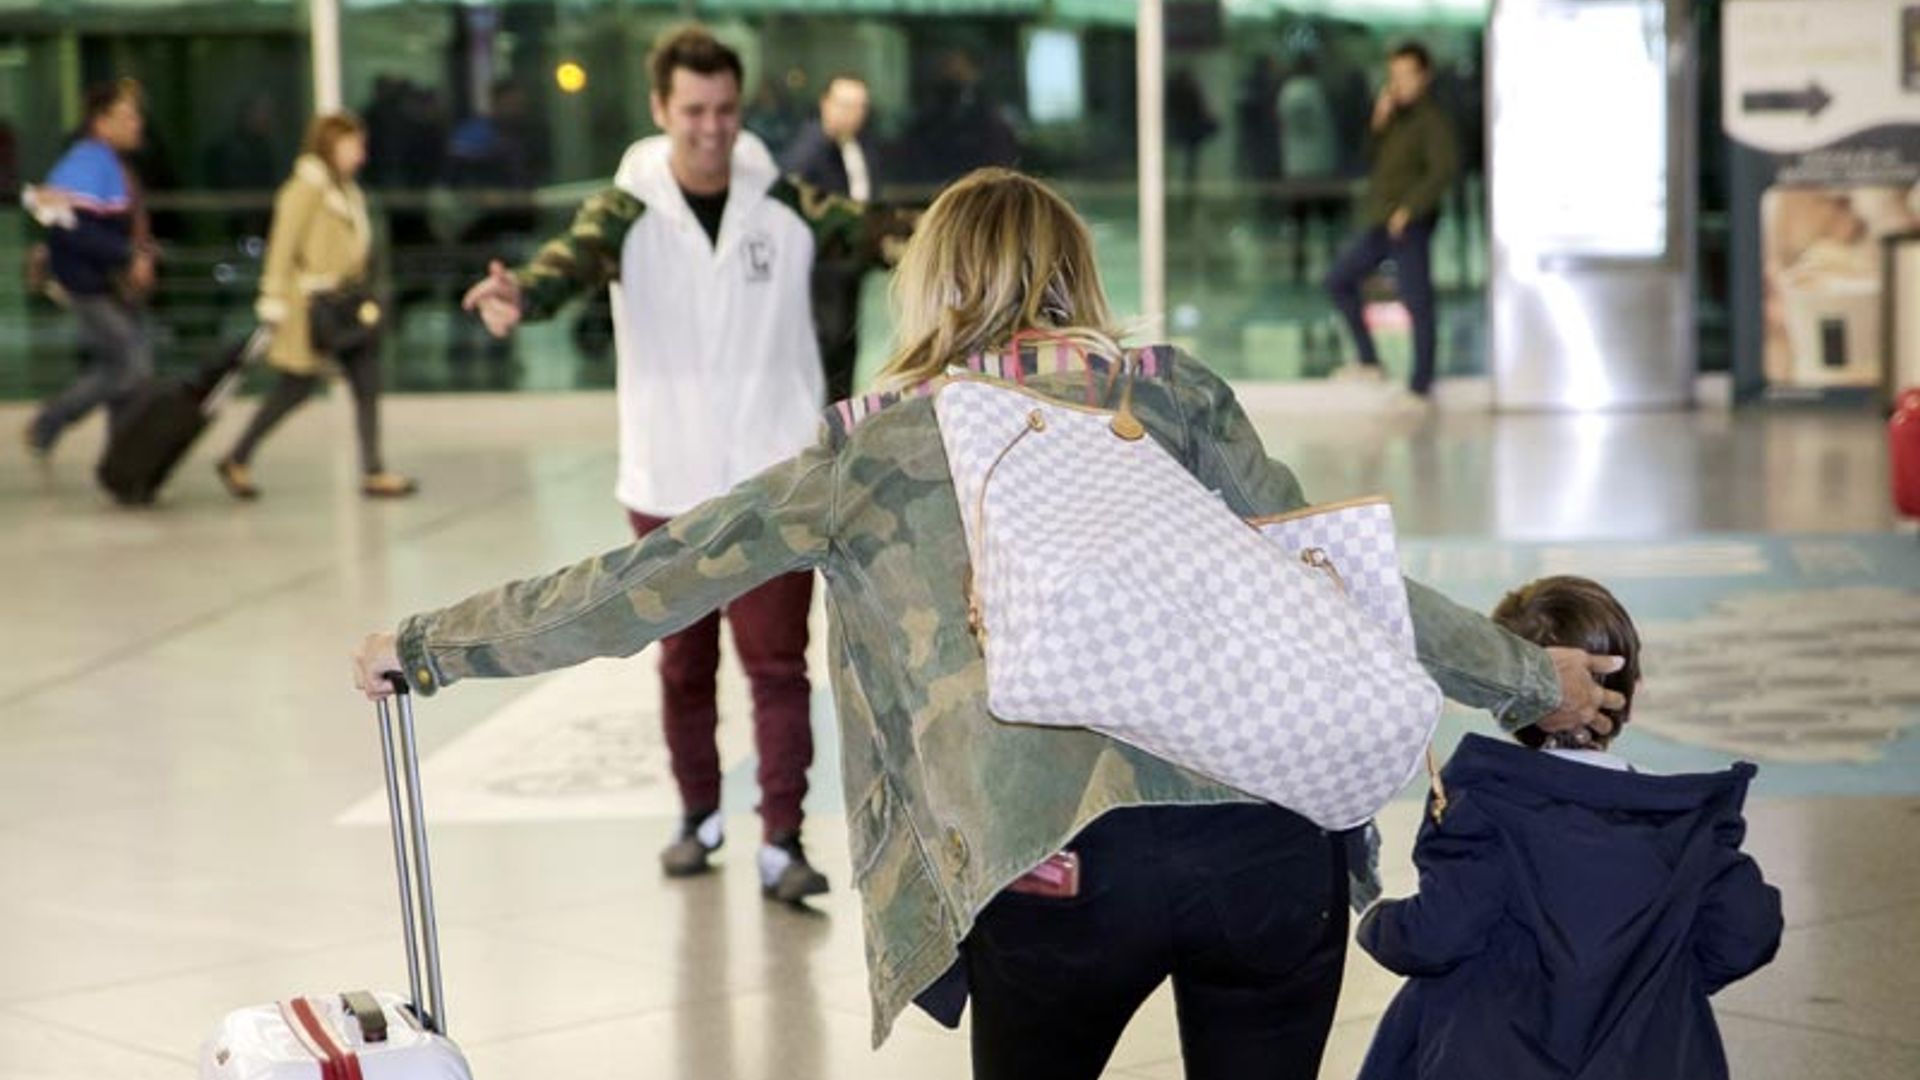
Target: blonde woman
pixel 313 294
pixel 1055 876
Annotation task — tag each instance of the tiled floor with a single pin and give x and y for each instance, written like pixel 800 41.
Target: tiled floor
pixel 180 754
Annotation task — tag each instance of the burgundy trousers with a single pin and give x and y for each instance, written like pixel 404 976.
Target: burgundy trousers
pixel 770 633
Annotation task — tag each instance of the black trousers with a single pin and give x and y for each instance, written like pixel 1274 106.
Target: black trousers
pixel 1244 907
pixel 362 369
pixel 1412 256
pixel 836 320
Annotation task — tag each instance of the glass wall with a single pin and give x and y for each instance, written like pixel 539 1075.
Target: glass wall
pixel 491 121
pixel 490 124
pixel 1268 106
pixel 226 88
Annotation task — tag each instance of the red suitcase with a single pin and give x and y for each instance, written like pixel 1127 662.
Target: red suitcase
pixel 1903 452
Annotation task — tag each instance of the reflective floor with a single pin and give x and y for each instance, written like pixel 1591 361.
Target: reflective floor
pixel 185 776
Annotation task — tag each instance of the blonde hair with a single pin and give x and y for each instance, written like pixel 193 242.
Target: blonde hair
pixel 998 254
pixel 325 131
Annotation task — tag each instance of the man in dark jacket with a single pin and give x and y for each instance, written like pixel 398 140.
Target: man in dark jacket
pixel 834 154
pixel 102 260
pixel 1415 161
pixel 1573 915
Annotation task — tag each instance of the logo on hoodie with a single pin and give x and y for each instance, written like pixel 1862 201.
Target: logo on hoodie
pixel 759 251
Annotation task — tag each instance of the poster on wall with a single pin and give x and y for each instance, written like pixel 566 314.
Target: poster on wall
pixel 1822 105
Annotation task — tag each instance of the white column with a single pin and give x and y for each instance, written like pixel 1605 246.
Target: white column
pixel 323 23
pixel 1150 52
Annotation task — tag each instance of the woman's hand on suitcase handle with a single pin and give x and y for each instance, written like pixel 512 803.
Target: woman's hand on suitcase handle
pixel 1582 698
pixel 377 658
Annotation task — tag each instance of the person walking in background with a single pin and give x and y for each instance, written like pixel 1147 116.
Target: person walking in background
pixel 1257 126
pixel 247 159
pixel 709 252
pixel 960 125
pixel 1190 125
pixel 101 254
pixel 1415 161
pixel 1309 156
pixel 835 154
pixel 313 295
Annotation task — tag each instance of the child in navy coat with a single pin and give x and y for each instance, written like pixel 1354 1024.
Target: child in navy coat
pixel 1573 914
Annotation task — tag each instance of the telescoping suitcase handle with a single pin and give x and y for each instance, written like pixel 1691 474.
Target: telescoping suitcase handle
pixel 403 757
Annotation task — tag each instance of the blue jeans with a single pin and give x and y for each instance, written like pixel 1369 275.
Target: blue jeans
pixel 1412 256
pixel 119 358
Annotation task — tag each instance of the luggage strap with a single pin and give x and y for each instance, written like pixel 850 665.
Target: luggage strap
pixel 336 1062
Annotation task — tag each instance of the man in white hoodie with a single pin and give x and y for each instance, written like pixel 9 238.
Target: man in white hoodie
pixel 708 252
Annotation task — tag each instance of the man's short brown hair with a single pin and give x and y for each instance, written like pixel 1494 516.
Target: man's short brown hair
pixel 100 99
pixel 1575 613
pixel 695 49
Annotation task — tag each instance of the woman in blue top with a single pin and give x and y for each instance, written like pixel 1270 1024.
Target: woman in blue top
pixel 102 259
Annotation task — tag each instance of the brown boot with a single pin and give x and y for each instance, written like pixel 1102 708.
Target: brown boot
pixel 237 479
pixel 387 485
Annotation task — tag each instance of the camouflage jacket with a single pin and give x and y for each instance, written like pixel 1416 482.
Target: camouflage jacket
pixel 946 806
pixel 587 255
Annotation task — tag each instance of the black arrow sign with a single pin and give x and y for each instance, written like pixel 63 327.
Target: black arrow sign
pixel 1813 100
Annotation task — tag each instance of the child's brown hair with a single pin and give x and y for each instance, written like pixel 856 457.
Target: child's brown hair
pixel 1576 613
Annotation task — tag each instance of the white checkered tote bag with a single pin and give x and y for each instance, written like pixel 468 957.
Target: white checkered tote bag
pixel 1112 591
pixel 1355 542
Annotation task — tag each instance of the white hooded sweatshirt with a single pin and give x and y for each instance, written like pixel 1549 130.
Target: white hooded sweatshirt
pixel 719 371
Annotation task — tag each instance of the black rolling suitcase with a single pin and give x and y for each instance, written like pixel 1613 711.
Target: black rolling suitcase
pixel 163 421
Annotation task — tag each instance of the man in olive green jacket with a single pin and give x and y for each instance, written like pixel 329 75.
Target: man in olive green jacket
pixel 946 805
pixel 1416 158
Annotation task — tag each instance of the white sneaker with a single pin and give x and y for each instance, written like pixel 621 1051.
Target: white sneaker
pixel 699 837
pixel 1358 373
pixel 1406 402
pixel 785 873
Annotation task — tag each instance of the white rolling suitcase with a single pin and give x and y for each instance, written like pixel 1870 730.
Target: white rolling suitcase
pixel 359 1035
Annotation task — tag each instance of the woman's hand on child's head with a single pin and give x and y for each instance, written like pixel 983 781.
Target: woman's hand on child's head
pixel 1582 698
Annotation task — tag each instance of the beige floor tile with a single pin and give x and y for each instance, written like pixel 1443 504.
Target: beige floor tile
pixel 1835 858
pixel 496 989
pixel 1860 977
pixel 81 920
pixel 765 1036
pixel 1762 1051
pixel 177 739
pixel 33 1050
pixel 718 926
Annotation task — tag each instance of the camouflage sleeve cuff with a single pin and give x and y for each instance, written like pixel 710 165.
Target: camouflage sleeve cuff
pixel 541 295
pixel 1537 695
pixel 584 258
pixel 1480 664
pixel 423 675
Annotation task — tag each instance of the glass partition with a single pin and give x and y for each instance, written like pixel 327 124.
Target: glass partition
pixel 489 122
pixel 226 91
pixel 1268 106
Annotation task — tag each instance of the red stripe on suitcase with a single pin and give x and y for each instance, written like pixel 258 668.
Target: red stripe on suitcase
pixel 340 1063
pixel 301 1035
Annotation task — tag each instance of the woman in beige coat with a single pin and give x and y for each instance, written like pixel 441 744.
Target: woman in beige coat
pixel 320 243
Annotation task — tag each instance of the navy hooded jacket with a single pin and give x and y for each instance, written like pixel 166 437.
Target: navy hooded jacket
pixel 1571 922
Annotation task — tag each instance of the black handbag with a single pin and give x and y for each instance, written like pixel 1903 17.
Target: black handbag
pixel 341 321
